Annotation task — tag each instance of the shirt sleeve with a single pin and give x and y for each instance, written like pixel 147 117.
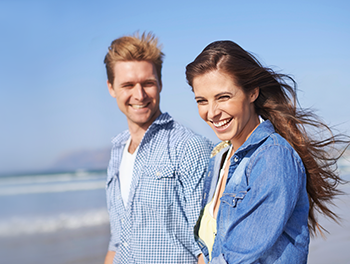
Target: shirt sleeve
pixel 192 169
pixel 114 238
pixel 254 223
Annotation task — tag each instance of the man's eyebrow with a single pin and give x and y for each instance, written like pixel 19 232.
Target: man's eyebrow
pixel 150 80
pixel 126 83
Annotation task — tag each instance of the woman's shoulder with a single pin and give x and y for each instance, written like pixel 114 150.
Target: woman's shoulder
pixel 276 148
pixel 220 147
pixel 277 141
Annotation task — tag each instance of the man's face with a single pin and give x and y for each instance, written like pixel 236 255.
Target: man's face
pixel 136 88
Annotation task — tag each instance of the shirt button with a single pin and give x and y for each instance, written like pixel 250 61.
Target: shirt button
pixel 157 173
pixel 122 220
pixel 125 244
pixel 235 159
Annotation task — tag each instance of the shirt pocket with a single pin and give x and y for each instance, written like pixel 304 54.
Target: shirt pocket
pixel 229 207
pixel 233 199
pixel 156 190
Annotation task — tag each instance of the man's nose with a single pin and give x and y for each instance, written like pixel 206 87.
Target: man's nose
pixel 139 92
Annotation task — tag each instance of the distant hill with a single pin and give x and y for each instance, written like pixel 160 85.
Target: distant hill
pixel 83 160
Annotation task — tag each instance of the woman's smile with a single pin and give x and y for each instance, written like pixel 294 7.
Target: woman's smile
pixel 224 105
pixel 223 124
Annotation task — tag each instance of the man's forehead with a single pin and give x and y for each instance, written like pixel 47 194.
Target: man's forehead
pixel 134 71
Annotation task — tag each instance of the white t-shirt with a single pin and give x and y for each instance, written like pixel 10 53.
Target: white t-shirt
pixel 125 171
pixel 221 175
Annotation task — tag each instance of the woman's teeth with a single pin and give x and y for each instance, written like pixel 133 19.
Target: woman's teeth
pixel 221 123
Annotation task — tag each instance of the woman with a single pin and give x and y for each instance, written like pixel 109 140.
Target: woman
pixel 267 177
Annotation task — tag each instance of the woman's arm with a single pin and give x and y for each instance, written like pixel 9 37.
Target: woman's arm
pixel 109 257
pixel 252 219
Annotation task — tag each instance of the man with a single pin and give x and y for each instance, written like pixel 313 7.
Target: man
pixel 156 168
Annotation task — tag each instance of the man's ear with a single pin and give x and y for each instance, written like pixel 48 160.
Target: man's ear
pixel 254 94
pixel 110 89
pixel 160 86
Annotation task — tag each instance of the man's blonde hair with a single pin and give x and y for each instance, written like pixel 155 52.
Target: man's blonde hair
pixel 134 48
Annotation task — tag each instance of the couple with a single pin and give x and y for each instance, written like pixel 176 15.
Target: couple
pixel 250 199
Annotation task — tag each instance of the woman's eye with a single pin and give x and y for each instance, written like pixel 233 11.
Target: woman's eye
pixel 200 101
pixel 224 97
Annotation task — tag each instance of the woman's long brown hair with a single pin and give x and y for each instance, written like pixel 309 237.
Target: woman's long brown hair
pixel 277 102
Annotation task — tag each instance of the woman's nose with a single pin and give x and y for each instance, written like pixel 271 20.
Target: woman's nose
pixel 213 111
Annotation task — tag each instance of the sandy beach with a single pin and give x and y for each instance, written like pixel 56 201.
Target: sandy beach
pixel 69 243
pixel 335 247
pixel 78 246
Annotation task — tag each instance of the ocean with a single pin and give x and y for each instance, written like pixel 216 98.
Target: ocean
pixel 53 218
pixel 62 219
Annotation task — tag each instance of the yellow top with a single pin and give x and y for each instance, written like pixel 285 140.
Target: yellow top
pixel 207 229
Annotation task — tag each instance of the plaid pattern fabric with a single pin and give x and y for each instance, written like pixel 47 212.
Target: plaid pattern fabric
pixel 156 225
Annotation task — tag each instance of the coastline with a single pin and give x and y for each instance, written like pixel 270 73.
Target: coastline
pixel 87 245
pixel 334 247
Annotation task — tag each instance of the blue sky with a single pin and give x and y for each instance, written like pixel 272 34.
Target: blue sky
pixel 53 94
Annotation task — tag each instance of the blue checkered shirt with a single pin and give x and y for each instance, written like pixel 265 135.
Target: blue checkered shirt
pixel 156 225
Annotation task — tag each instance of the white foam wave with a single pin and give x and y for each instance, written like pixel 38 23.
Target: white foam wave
pixel 65 187
pixel 51 183
pixel 47 178
pixel 344 165
pixel 26 226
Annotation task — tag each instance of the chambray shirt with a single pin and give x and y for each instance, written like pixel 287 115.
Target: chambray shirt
pixel 263 213
pixel 156 225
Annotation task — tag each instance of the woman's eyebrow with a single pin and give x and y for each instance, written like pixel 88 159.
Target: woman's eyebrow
pixel 223 93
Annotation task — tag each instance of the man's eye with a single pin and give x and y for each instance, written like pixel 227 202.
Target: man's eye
pixel 149 84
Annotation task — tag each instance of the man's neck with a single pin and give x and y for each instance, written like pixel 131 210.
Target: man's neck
pixel 136 133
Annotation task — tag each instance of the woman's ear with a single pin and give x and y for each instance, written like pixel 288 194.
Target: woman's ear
pixel 254 94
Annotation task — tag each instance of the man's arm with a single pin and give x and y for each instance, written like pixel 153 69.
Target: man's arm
pixel 110 256
pixel 192 168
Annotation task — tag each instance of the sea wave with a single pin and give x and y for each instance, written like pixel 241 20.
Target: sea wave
pixel 51 183
pixel 16 226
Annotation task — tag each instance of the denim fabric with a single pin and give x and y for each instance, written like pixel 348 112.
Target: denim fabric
pixel 263 213
pixel 156 224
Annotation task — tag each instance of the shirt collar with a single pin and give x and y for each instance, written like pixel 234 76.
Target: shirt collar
pixel 161 120
pixel 263 131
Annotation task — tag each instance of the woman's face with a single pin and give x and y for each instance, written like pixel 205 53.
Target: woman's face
pixel 225 107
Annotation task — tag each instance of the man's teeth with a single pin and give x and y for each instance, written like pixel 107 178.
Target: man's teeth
pixel 138 106
pixel 221 123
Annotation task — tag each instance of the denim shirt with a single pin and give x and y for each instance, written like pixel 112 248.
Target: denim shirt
pixel 156 224
pixel 263 213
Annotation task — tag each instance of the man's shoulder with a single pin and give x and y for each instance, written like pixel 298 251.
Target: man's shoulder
pixel 121 138
pixel 176 135
pixel 185 135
